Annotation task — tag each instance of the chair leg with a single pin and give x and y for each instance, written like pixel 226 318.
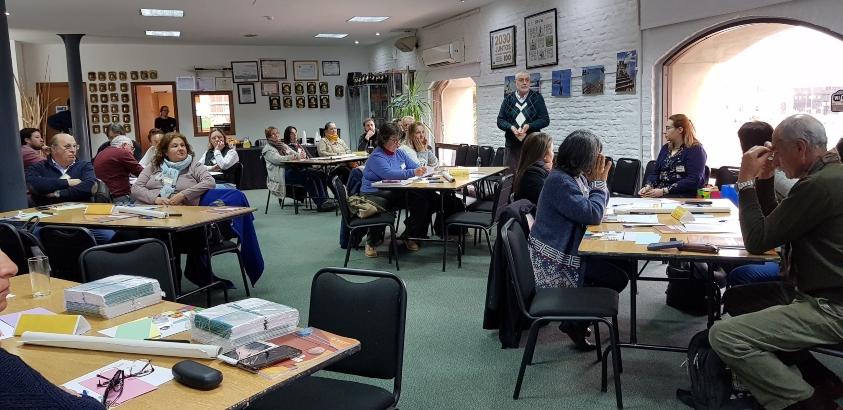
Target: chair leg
pixel 445 246
pixel 617 341
pixel 268 194
pixel 243 273
pixel 392 232
pixel 488 241
pixel 616 361
pixel 597 341
pixel 295 203
pixel 528 356
pixel 348 249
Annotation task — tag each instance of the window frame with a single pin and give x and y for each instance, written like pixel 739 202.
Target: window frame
pixel 197 132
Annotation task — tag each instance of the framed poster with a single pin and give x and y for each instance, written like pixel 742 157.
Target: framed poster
pixel 244 71
pixel 305 70
pixel 540 39
pixel 502 47
pixel 222 83
pixel 246 93
pixel 273 69
pixel 330 68
pixel 269 88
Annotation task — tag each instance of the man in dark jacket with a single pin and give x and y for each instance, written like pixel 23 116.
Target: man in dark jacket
pixel 522 112
pixel 61 177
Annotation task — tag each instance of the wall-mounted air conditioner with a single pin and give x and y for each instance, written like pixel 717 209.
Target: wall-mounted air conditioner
pixel 445 54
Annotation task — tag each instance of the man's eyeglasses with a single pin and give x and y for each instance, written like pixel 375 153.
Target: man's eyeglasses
pixel 68 147
pixel 114 384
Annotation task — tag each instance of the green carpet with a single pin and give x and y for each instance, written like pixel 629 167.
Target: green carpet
pixel 450 362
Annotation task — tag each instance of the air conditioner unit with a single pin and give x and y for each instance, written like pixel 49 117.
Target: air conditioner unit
pixel 445 54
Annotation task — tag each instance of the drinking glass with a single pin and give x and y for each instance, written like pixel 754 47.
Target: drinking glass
pixel 39 276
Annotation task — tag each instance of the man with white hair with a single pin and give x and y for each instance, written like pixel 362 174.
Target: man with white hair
pixel 61 177
pixel 808 223
pixel 522 112
pixel 114 165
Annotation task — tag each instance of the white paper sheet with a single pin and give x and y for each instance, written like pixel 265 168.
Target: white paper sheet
pixel 642 238
pixel 644 219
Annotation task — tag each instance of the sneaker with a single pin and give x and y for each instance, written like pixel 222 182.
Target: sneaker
pixel 411 245
pixel 371 251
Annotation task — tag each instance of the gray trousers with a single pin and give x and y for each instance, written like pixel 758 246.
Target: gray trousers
pixel 747 344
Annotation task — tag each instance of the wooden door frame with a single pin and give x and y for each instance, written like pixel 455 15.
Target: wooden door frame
pixel 174 109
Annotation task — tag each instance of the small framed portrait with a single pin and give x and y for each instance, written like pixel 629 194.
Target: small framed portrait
pixel 323 87
pixel 299 88
pixel 273 69
pixel 103 98
pixel 245 71
pixel 127 128
pixel 124 108
pixel 324 102
pixel 339 91
pixel 330 68
pixel 274 102
pixel 153 74
pixel 105 118
pixel 305 70
pixel 94 98
pixel 95 119
pixel 115 118
pixel 103 87
pixel 270 88
pixel 300 101
pixel 95 129
pixel 127 118
pixel 112 86
pixel 92 88
pixel 101 76
pixel 124 98
pixel 114 97
pixel 134 75
pixel 246 93
pixel 112 76
pixel 124 88
pixel 288 101
pixel 286 88
pixel 123 76
pixel 95 109
pixel 103 107
pixel 311 87
pixel 312 101
pixel 144 75
pixel 92 76
pixel 115 108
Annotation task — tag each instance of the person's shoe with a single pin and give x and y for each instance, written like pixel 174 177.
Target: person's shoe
pixel 411 245
pixel 371 251
pixel 579 333
pixel 326 206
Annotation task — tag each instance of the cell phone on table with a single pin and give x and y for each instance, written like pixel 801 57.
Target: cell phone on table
pixel 268 358
pixel 246 351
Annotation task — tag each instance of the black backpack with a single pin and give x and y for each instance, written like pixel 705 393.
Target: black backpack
pixel 712 383
pixel 688 295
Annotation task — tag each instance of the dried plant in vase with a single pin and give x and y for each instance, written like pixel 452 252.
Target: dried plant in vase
pixel 33 112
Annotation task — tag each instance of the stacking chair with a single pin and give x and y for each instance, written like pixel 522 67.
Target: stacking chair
pixel 234 174
pixel 228 242
pixel 472 155
pixel 543 305
pixel 487 155
pixel 63 246
pixel 500 153
pixel 373 312
pixel 726 175
pixel 311 149
pixel 12 246
pixel 480 220
pixel 100 192
pixel 148 258
pixel 611 173
pixel 462 153
pixel 626 177
pixel 352 222
pixel 293 195
pixel 649 169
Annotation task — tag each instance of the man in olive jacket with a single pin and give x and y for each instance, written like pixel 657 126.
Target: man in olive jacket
pixel 808 223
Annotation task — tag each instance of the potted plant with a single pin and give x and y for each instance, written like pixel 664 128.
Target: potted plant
pixel 411 102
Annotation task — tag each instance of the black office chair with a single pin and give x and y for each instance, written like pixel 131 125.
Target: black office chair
pixel 626 177
pixel 12 245
pixel 311 149
pixel 373 312
pixel 726 175
pixel 228 242
pixel 462 153
pixel 649 169
pixel 148 258
pixel 480 220
pixel 472 155
pixel 611 173
pixel 487 155
pixel 260 142
pixel 296 192
pixel 352 222
pixel 234 174
pixel 101 193
pixel 63 245
pixel 500 154
pixel 542 305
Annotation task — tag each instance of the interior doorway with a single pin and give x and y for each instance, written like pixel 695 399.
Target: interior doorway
pixel 149 97
pixel 54 97
pixel 454 113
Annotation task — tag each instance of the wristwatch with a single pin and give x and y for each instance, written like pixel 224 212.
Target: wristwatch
pixel 745 185
pixel 665 190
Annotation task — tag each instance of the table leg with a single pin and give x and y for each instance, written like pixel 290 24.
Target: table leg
pixel 443 233
pixel 173 264
pixel 633 310
pixel 709 294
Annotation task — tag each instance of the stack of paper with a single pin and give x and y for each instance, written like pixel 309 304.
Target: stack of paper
pixel 112 296
pixel 235 324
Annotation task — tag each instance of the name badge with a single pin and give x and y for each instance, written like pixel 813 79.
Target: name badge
pixel 680 168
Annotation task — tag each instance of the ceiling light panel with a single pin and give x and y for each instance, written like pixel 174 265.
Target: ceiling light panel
pixel 366 19
pixel 161 13
pixel 159 33
pixel 331 35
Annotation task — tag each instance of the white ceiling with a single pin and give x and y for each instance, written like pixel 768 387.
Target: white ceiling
pixel 294 22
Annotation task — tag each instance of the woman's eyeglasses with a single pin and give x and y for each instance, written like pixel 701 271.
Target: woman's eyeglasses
pixel 114 384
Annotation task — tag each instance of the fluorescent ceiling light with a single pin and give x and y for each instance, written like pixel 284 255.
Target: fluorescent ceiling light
pixel 161 13
pixel 159 33
pixel 359 19
pixel 331 35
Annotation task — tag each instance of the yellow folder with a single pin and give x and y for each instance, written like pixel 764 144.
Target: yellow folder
pixel 63 324
pixel 99 209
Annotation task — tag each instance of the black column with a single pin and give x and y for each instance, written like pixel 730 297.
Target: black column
pixel 77 95
pixel 13 192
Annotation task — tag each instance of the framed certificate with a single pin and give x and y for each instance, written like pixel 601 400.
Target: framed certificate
pixel 330 68
pixel 246 93
pixel 273 69
pixel 244 71
pixel 305 70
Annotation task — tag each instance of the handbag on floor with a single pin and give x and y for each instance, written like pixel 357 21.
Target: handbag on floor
pixel 688 295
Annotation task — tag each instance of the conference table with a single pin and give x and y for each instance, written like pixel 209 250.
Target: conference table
pixel 722 230
pixel 238 388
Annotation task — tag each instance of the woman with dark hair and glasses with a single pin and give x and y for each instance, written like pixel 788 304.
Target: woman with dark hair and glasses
pixel 574 196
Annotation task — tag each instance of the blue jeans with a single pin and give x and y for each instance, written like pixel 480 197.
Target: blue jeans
pixel 311 181
pixel 741 275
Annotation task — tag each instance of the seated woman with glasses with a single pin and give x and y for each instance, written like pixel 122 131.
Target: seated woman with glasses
pixel 680 167
pixel 276 152
pixel 417 147
pixel 220 155
pixel 23 384
pixel 174 178
pixel 388 162
pixel 535 163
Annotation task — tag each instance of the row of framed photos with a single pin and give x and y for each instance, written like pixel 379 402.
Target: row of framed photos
pixel 97 129
pixel 276 102
pixel 540 39
pixel 122 75
pixel 110 119
pixel 246 91
pixel 276 69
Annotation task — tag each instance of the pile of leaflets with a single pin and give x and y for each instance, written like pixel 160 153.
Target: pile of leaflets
pixel 235 324
pixel 112 296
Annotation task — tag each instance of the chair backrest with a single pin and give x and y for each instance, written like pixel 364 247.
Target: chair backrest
pixel 649 169
pixel 500 154
pixel 260 142
pixel 12 245
pixel 148 258
pixel 726 175
pixel 235 174
pixel 101 193
pixel 373 312
pixel 626 177
pixel 520 266
pixel 487 155
pixel 462 153
pixel 706 175
pixel 342 199
pixel 502 195
pixel 63 245
pixel 471 156
pixel 312 151
pixel 611 173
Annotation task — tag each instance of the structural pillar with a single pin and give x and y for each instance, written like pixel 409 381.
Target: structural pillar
pixel 13 192
pixel 77 95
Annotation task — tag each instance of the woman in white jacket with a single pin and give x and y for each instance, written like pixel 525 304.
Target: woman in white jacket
pixel 279 173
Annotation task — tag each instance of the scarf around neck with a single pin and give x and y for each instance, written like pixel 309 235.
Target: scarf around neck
pixel 170 174
pixel 282 148
pixel 332 138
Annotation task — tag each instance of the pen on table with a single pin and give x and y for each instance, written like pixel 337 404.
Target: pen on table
pixel 641 213
pixel 168 340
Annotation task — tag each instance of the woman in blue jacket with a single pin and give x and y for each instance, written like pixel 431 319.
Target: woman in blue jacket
pixel 680 167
